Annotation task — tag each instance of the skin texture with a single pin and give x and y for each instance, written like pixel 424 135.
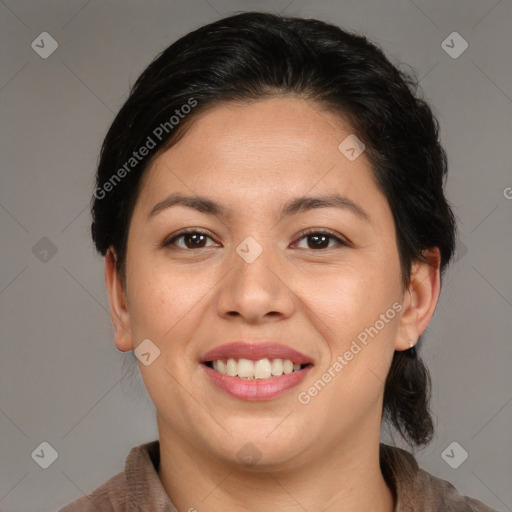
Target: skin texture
pixel 254 157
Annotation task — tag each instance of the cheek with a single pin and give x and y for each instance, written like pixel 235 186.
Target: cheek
pixel 165 308
pixel 169 304
pixel 353 307
pixel 159 298
pixel 349 299
pixel 358 323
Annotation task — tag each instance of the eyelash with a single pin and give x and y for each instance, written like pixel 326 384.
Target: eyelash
pixel 308 232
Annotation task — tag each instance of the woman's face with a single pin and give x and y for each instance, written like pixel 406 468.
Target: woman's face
pixel 252 275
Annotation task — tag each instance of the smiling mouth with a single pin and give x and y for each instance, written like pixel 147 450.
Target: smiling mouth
pixel 253 370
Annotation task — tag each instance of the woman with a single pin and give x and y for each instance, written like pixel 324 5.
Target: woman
pixel 270 206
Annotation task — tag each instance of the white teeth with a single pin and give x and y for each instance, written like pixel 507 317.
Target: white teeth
pixel 232 367
pixel 262 369
pixel 287 366
pixel 277 367
pixel 245 368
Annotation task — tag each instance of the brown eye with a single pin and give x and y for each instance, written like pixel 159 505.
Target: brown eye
pixel 189 240
pixel 321 240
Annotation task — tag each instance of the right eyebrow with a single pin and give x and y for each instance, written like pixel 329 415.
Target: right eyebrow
pixel 201 204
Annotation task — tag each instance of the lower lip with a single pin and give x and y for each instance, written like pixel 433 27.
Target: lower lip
pixel 256 389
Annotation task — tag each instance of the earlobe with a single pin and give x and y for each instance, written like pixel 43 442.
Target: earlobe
pixel 118 309
pixel 420 299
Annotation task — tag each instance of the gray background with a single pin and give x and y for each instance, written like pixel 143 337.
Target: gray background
pixel 60 374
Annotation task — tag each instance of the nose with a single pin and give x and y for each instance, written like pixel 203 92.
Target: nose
pixel 257 291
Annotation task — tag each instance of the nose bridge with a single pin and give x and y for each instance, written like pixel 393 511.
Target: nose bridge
pixel 252 288
pixel 253 263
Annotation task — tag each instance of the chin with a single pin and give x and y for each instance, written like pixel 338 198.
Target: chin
pixel 260 449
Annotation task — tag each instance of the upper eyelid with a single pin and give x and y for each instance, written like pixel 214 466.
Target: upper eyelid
pixel 323 231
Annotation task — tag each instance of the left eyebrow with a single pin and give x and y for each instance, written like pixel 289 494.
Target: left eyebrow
pixel 302 204
pixel 292 207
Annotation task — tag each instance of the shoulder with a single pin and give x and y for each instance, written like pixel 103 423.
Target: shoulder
pixel 442 495
pixel 137 485
pixel 419 491
pixel 109 497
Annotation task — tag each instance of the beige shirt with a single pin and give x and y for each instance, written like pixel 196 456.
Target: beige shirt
pixel 138 488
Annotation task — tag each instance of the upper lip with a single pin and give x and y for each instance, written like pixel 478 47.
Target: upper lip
pixel 255 351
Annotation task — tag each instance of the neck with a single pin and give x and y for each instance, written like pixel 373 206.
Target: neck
pixel 344 479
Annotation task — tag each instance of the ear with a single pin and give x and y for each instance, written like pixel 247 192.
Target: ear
pixel 117 299
pixel 420 299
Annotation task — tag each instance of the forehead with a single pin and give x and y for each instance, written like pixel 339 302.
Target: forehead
pixel 287 126
pixel 261 152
